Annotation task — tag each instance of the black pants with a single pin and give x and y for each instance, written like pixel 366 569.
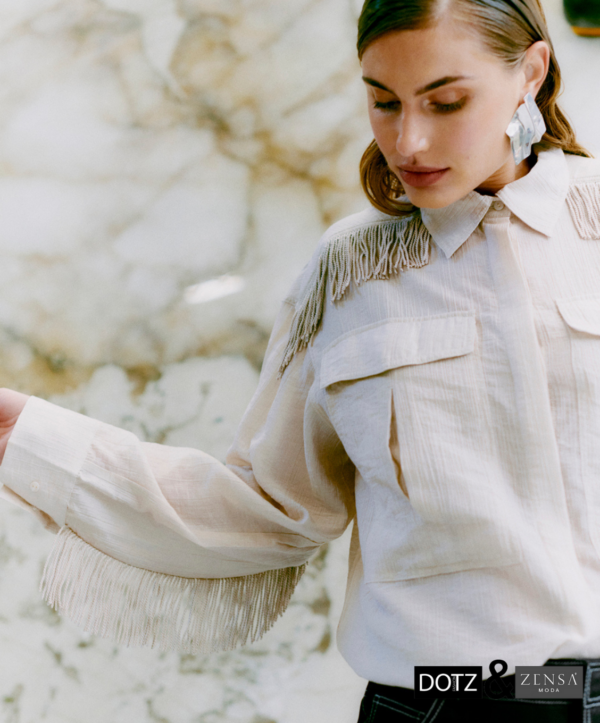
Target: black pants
pixel 390 704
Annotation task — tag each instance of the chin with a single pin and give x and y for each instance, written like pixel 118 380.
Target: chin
pixel 432 197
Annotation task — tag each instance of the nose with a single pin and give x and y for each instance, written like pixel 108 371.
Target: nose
pixel 412 135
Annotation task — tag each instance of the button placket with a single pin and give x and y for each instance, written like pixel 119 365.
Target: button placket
pixel 542 477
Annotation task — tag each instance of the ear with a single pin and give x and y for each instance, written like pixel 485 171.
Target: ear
pixel 535 67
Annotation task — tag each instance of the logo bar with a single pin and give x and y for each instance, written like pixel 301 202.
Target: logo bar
pixel 540 682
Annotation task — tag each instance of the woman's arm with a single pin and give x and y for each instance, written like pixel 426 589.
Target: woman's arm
pixel 166 545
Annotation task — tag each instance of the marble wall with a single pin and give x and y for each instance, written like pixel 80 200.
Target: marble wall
pixel 166 169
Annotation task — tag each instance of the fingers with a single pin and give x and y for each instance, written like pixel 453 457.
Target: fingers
pixel 11 406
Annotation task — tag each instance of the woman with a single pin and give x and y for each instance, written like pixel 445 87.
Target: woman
pixel 433 374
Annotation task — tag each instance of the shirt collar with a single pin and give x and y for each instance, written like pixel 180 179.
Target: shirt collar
pixel 537 199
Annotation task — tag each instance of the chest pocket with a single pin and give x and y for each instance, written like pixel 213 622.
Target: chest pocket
pixel 408 400
pixel 395 343
pixel 582 317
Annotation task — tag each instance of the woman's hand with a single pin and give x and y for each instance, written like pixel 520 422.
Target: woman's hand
pixel 11 405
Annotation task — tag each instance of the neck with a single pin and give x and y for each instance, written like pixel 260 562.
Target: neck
pixel 506 174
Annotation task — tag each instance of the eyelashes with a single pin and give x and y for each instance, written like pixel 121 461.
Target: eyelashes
pixel 386 106
pixel 393 105
pixel 449 107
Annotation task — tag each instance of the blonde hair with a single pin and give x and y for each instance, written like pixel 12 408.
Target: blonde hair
pixel 508 28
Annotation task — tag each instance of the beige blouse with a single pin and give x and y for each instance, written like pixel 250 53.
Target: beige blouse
pixel 434 380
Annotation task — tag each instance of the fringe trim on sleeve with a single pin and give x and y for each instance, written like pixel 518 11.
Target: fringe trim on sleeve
pixel 132 606
pixel 374 251
pixel 584 203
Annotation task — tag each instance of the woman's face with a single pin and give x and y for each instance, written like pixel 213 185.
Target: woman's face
pixel 438 99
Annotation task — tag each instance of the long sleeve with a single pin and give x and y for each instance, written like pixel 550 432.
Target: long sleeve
pixel 168 546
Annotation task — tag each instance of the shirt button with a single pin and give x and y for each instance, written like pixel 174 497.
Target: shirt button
pixel 35 486
pixel 497 205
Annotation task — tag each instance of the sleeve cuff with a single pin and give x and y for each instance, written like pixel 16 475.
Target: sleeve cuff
pixel 44 455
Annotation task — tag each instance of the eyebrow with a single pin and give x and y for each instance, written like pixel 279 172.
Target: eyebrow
pixel 425 88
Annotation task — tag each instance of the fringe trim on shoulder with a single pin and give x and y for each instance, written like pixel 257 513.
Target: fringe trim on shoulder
pixel 584 203
pixel 132 606
pixel 374 251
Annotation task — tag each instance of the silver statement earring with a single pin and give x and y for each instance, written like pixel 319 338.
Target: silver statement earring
pixel 526 128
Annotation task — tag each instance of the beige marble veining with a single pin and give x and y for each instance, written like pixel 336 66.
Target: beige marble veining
pixel 129 177
pixel 146 147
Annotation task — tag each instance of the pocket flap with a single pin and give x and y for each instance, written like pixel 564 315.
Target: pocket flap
pixel 392 343
pixel 581 314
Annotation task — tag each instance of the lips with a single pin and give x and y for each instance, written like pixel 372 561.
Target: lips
pixel 420 169
pixel 421 176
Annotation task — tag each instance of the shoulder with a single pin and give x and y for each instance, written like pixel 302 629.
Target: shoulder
pixel 367 217
pixel 582 169
pixel 583 197
pixel 393 242
pixel 368 222
pixel 367 245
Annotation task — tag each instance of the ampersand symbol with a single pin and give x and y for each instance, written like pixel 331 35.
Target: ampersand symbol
pixel 497 687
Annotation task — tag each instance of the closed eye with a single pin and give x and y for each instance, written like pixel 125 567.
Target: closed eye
pixel 393 105
pixel 449 107
pixel 390 105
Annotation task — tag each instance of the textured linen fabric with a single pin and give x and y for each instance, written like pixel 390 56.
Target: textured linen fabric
pixel 452 411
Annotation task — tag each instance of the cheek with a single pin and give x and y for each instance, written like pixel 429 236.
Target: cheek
pixel 465 136
pixel 476 135
pixel 384 131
